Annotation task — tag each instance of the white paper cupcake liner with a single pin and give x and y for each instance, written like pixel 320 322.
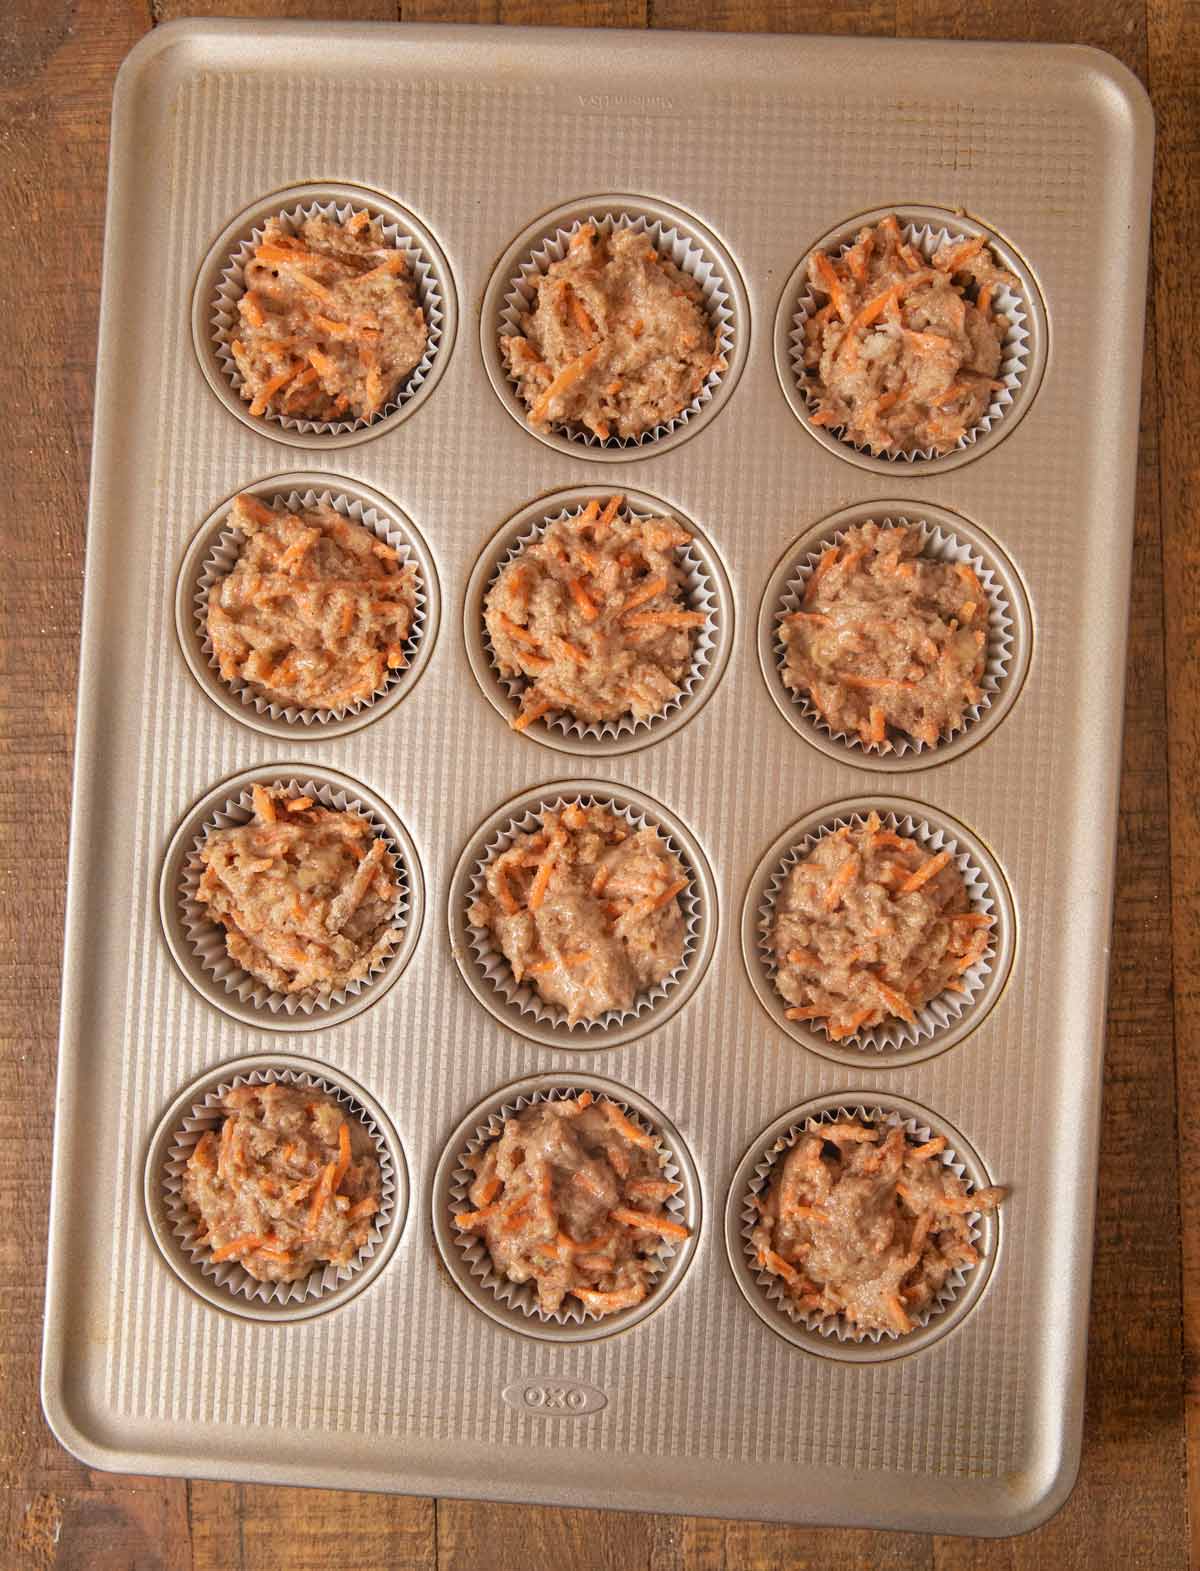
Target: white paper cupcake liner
pixel 671 242
pixel 939 1013
pixel 207 938
pixel 943 546
pixel 232 285
pixel 221 559
pixel 1015 346
pixel 836 1326
pixel 522 997
pixel 229 1274
pixel 700 594
pixel 521 1297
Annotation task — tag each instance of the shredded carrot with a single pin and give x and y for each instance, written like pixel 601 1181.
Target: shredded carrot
pixel 264 805
pixel 534 711
pixel 572 651
pixel 588 608
pixel 840 1029
pixel 648 1221
pixel 365 1207
pixel 515 631
pixel 541 881
pixel 299 804
pixel 564 381
pixel 342 1166
pixel 241 1246
pixel 840 882
pixel 320 1195
pixel 646 591
pixel 624 1127
pixel 832 285
pixel 896 1002
pixel 924 874
pixel 961 254
pixel 667 619
pixel 609 513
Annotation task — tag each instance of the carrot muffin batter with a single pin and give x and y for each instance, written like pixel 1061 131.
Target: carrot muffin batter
pixel 290 1183
pixel 570 1197
pixel 867 1225
pixel 587 909
pixel 593 615
pixel 618 339
pixel 316 610
pixel 872 926
pixel 888 638
pixel 905 354
pixel 329 326
pixel 306 895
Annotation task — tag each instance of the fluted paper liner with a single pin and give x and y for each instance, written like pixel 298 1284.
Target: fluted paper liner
pixel 700 594
pixel 943 546
pixel 207 1114
pixel 223 315
pixel 687 254
pixel 940 1012
pixel 521 1297
pixel 523 997
pixel 207 938
pixel 1014 349
pixel 837 1325
pixel 221 558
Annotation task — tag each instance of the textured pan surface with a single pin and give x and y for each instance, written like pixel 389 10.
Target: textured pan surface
pixel 701 1407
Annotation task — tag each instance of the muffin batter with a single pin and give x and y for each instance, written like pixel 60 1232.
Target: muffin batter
pixel 618 339
pixel 905 354
pixel 888 639
pixel 289 1183
pixel 316 610
pixel 570 1197
pixel 871 926
pixel 587 909
pixel 592 614
pixel 867 1225
pixel 306 896
pixel 329 326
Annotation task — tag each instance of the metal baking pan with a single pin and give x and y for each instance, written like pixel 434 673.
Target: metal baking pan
pixel 481 140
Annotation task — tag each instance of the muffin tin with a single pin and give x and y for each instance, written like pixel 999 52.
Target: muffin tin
pixel 413 1374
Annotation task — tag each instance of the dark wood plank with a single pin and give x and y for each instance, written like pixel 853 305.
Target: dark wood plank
pixel 237 1527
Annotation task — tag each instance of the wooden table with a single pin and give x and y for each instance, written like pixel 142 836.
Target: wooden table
pixel 1141 1463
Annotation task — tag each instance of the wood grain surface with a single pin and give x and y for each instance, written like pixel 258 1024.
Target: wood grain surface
pixel 1141 1463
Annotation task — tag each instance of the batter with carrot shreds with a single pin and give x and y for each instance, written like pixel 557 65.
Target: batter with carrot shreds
pixel 307 895
pixel 587 909
pixel 592 615
pixel 572 1196
pixel 316 609
pixel 904 355
pixel 887 640
pixel 328 326
pixel 618 339
pixel 862 1221
pixel 870 927
pixel 288 1183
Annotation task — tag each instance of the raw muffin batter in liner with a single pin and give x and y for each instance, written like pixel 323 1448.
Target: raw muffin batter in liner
pixel 315 613
pixel 862 1224
pixel 908 342
pixel 595 619
pixel 258 1274
pixel 615 331
pixel 583 913
pixel 572 1195
pixel 886 639
pixel 308 903
pixel 867 926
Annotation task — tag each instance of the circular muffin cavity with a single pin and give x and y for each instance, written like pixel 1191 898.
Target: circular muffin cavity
pixel 566 1207
pixel 614 324
pixel 580 915
pixel 274 1190
pixel 306 608
pixel 907 336
pixel 289 900
pixel 599 624
pixel 877 928
pixel 891 637
pixel 323 314
pixel 861 1231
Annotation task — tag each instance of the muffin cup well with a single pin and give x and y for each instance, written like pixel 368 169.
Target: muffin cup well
pixel 947 1018
pixel 706 589
pixel 198 943
pixel 518 1006
pixel 214 553
pixel 466 1255
pixel 1023 346
pixel 946 537
pixel 831 1336
pixel 221 284
pixel 228 1282
pixel 675 234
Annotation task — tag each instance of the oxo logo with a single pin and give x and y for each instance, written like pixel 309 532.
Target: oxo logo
pixel 554 1398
